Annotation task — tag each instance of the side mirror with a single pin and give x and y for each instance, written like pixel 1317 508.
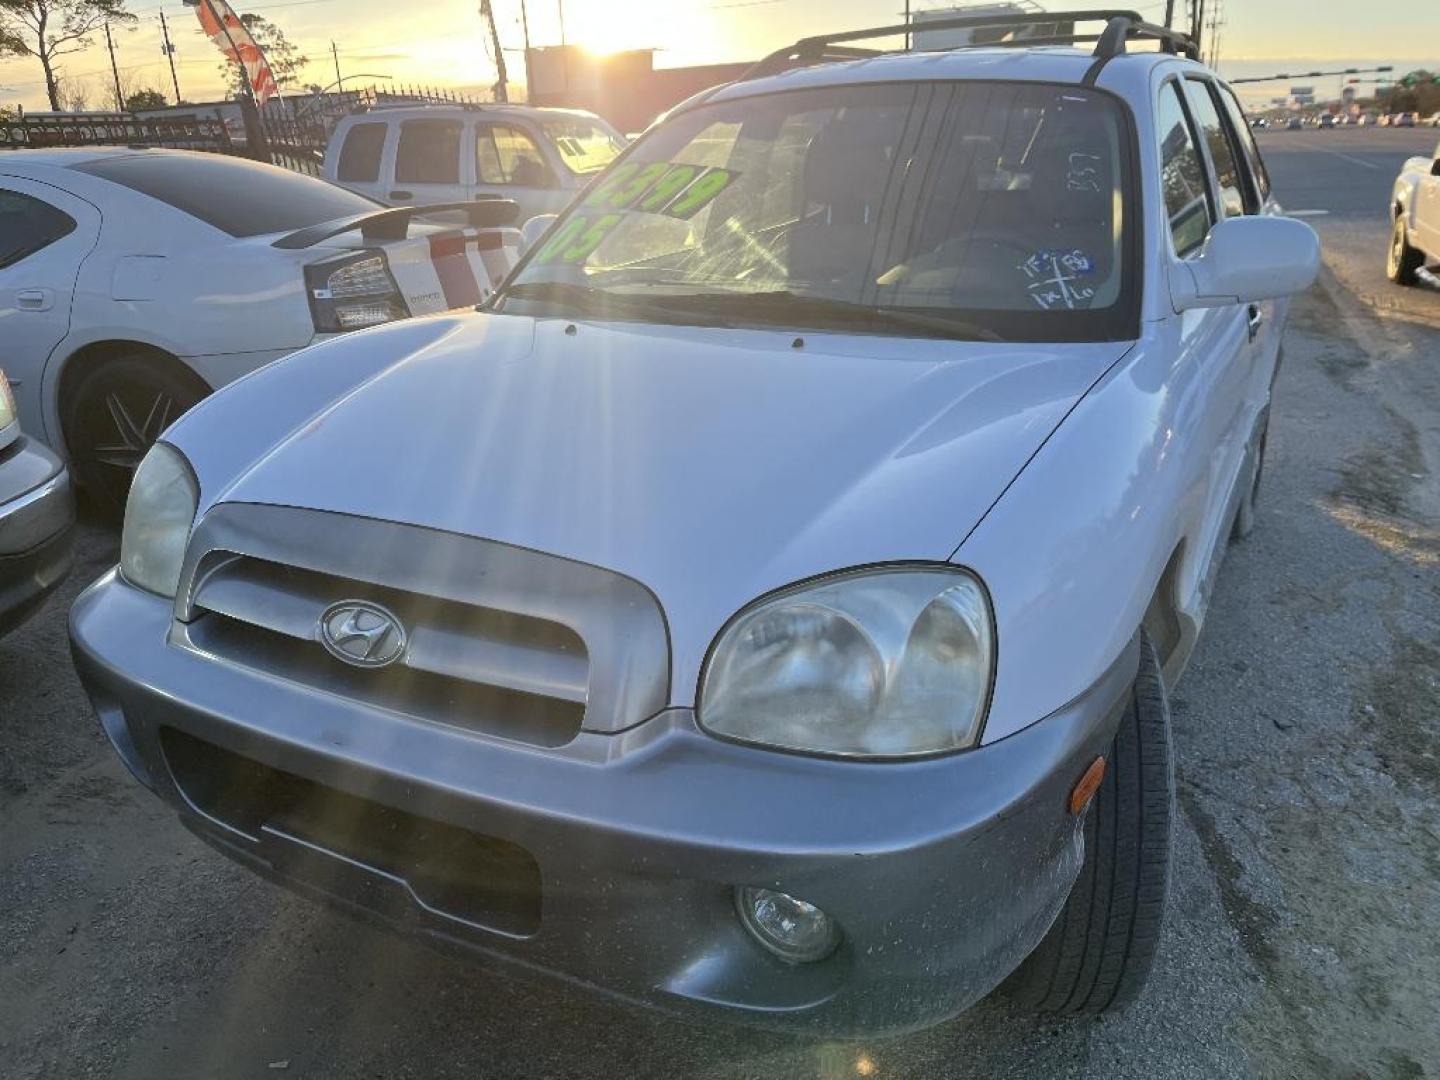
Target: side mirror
pixel 533 229
pixel 1245 260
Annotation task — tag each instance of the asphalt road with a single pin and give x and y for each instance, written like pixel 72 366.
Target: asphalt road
pixel 1304 931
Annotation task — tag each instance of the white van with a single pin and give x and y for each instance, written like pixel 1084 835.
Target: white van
pixel 424 154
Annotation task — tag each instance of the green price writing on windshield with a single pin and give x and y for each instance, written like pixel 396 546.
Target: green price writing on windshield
pixel 699 194
pixel 667 187
pixel 660 187
pixel 627 185
pixel 578 238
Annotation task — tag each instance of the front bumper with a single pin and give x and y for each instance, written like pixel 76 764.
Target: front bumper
pixel 942 874
pixel 37 514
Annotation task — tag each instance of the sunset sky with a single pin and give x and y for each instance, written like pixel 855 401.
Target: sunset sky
pixel 442 42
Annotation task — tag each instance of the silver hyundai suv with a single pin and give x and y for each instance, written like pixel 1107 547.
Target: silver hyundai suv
pixel 763 608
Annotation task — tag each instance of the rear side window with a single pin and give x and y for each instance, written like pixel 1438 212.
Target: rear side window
pixel 1182 174
pixel 1247 141
pixel 429 152
pixel 507 155
pixel 360 156
pixel 237 196
pixel 28 225
pixel 1223 154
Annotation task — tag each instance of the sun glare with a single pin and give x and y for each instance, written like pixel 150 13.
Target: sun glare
pixel 632 24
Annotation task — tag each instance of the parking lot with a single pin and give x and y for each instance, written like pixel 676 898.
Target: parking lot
pixel 1304 930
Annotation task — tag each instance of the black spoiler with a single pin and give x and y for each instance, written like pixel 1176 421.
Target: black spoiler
pixel 393 223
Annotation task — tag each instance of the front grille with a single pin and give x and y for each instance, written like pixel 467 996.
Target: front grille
pixel 469 667
pixel 500 640
pixel 451 872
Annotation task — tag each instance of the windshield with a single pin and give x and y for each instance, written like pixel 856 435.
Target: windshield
pixel 951 209
pixel 586 144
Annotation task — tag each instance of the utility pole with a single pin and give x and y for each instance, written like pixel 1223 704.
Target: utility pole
pixel 502 92
pixel 339 79
pixel 1169 14
pixel 525 26
pixel 561 4
pixel 169 51
pixel 119 97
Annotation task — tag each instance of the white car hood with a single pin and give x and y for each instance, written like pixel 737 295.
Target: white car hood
pixel 710 465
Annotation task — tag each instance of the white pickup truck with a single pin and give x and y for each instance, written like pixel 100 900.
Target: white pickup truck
pixel 1415 208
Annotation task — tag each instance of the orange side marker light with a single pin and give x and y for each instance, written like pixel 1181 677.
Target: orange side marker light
pixel 1086 786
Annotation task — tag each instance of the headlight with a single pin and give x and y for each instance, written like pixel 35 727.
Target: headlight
pixel 7 403
pixel 163 498
pixel 873 663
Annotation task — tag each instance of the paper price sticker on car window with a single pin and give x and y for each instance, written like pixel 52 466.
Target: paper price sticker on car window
pixel 660 187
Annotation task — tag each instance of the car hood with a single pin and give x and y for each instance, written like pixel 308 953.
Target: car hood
pixel 711 465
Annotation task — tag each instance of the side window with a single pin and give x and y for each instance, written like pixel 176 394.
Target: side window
pixel 360 156
pixel 1182 174
pixel 1247 141
pixel 429 152
pixel 1223 154
pixel 507 155
pixel 27 225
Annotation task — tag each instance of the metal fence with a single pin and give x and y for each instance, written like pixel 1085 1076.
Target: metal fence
pixel 49 129
pixel 291 132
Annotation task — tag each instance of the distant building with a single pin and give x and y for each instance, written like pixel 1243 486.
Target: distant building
pixel 624 87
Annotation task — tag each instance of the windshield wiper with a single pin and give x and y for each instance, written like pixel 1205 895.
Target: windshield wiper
pixel 732 308
pixel 602 303
pixel 829 314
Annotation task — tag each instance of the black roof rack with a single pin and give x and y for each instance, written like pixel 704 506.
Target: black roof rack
pixel 1057 28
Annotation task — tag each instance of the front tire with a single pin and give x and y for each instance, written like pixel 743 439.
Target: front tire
pixel 1403 262
pixel 1098 954
pixel 114 414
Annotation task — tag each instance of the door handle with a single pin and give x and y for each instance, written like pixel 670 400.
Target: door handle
pixel 1254 321
pixel 402 194
pixel 33 299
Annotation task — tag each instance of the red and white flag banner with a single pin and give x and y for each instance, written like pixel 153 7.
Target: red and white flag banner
pixel 224 28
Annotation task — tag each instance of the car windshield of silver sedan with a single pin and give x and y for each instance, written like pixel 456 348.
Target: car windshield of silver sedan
pixel 963 209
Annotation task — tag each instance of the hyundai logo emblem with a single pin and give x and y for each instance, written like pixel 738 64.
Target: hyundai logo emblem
pixel 362 633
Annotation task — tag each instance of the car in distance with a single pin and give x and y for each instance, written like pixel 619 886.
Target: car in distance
pixel 417 154
pixel 1406 119
pixel 1414 219
pixel 1294 124
pixel 36 515
pixel 134 282
pixel 765 607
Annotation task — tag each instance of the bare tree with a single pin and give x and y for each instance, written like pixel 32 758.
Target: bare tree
pixel 51 29
pixel 72 95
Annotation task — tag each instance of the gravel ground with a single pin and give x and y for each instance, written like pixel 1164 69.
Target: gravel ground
pixel 1304 930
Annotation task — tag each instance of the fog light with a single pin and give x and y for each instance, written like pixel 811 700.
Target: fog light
pixel 790 928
